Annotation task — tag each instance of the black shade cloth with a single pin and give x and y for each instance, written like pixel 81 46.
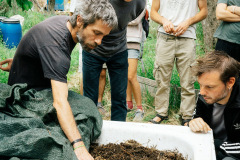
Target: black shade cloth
pixel 29 127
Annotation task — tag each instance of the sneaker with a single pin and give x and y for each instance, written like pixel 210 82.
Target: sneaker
pixel 185 122
pixel 101 109
pixel 138 115
pixel 128 109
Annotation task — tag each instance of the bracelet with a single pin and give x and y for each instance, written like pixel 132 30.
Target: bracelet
pixel 78 147
pixel 234 9
pixel 75 141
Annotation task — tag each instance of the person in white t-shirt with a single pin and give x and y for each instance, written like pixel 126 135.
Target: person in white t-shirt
pixel 175 45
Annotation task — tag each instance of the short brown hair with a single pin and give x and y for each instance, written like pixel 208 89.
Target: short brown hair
pixel 218 61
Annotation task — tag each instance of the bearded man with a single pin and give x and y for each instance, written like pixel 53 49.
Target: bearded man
pixel 218 105
pixel 42 59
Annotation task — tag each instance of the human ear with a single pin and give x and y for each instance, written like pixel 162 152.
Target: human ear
pixel 79 21
pixel 231 82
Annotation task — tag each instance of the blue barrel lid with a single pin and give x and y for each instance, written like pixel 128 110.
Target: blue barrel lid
pixel 10 20
pixel 1 18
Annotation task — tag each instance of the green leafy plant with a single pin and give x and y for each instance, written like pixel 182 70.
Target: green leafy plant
pixel 24 4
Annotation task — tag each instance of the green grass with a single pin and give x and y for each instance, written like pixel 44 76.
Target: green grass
pixel 5 54
pixel 74 62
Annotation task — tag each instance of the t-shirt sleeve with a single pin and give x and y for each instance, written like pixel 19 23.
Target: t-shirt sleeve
pixel 55 63
pixel 222 1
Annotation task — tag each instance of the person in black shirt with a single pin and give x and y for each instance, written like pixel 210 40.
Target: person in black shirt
pixel 42 59
pixel 113 52
pixel 218 105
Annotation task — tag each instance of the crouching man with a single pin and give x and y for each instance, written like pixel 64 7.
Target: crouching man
pixel 42 61
pixel 218 105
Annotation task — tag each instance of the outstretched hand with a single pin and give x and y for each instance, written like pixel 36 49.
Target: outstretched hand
pixel 8 67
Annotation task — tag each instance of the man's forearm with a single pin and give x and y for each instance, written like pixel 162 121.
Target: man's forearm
pixel 222 13
pixel 154 15
pixel 234 10
pixel 64 112
pixel 67 121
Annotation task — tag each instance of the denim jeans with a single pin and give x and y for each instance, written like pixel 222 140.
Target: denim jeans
pixel 232 49
pixel 118 72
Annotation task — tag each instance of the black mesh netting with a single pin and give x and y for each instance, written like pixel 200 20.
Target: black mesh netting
pixel 29 127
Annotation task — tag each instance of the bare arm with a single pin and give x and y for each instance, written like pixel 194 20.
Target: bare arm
pixel 202 14
pixel 224 13
pixel 66 119
pixel 156 17
pixel 234 10
pixel 199 125
pixel 7 61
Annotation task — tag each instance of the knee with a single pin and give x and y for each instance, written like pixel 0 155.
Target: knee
pixel 103 74
pixel 132 78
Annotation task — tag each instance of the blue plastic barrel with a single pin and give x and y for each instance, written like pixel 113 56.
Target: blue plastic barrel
pixel 59 5
pixel 12 32
pixel 1 18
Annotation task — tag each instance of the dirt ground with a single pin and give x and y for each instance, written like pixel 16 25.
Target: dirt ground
pixel 131 150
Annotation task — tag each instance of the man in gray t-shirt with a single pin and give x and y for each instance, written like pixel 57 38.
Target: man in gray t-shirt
pixel 113 52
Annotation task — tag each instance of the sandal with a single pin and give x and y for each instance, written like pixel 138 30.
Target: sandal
pixel 186 121
pixel 162 118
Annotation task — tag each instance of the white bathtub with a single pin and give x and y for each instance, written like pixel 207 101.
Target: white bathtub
pixel 193 146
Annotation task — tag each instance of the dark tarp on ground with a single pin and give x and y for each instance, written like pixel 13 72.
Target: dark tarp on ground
pixel 29 127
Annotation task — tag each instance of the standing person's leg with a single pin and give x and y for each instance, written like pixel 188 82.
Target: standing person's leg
pixel 133 56
pixel 129 97
pixel 185 57
pixel 92 66
pixel 163 66
pixel 232 49
pixel 118 71
pixel 102 84
pixel 132 79
pixel 133 85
